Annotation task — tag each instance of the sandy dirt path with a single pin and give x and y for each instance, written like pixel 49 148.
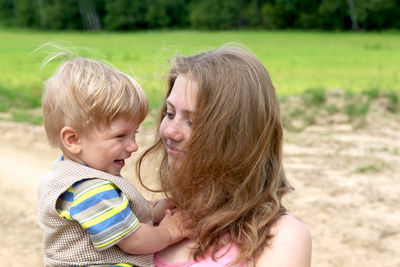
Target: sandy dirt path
pixel 347 191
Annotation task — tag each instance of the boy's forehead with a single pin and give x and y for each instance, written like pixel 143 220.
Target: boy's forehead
pixel 124 122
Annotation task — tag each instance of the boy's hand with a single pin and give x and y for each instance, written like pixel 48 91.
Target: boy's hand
pixel 148 239
pixel 177 225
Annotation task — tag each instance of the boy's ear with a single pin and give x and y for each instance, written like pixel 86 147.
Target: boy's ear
pixel 70 139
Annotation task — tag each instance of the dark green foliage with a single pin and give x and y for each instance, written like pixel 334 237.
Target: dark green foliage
pixel 124 15
pixel 216 15
pixel 7 12
pixel 60 15
pixel 201 14
pixel 26 13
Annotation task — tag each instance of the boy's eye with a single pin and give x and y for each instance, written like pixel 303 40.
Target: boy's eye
pixel 120 135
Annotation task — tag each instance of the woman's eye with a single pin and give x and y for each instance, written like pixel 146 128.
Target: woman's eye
pixel 169 114
pixel 121 136
pixel 189 123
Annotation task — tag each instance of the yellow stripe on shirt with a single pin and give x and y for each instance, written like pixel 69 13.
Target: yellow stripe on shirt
pixel 64 214
pixel 93 192
pixel 118 237
pixel 106 215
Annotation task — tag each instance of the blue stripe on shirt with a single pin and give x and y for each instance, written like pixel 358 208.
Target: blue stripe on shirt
pixel 110 231
pixel 113 220
pixel 93 200
pixel 67 196
pixel 79 182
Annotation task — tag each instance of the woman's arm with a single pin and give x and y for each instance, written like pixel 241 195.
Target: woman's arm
pixel 290 246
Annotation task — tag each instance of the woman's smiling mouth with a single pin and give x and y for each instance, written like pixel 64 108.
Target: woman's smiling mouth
pixel 173 151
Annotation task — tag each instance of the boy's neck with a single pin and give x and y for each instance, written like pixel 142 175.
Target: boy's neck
pixel 77 160
pixel 73 158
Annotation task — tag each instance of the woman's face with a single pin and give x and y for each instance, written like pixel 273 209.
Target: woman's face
pixel 176 127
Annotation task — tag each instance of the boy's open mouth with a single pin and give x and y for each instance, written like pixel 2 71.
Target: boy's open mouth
pixel 120 162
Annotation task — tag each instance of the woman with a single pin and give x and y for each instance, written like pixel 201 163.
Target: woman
pixel 220 134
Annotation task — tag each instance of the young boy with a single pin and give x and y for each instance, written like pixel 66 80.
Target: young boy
pixel 88 213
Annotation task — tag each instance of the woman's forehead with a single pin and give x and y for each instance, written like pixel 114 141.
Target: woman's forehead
pixel 183 94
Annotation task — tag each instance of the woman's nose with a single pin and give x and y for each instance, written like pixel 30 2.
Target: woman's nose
pixel 173 131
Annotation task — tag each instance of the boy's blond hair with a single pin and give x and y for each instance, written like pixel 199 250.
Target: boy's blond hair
pixel 84 93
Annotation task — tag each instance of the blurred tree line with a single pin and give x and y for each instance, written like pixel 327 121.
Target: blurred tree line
pixel 201 14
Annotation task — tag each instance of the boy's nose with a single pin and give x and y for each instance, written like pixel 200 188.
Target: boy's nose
pixel 132 146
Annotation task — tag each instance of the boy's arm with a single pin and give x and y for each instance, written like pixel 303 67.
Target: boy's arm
pixel 148 239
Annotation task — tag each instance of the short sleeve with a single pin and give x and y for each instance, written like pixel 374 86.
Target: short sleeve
pixel 102 210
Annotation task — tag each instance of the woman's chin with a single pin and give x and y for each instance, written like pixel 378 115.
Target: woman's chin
pixel 173 162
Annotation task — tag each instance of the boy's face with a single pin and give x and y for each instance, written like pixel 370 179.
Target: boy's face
pixel 106 148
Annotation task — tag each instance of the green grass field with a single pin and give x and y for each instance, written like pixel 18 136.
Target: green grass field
pixel 297 61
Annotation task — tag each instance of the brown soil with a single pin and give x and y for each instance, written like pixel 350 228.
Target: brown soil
pixel 347 182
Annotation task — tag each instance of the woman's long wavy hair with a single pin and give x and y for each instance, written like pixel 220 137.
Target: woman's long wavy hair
pixel 231 181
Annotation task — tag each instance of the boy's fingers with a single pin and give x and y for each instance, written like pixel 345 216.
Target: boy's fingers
pixel 168 212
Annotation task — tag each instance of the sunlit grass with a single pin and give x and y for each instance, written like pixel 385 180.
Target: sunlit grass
pixel 298 62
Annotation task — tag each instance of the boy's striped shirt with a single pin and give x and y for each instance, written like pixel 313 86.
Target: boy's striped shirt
pixel 101 209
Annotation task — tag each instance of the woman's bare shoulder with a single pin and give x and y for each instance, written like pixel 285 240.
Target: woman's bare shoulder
pixel 290 246
pixel 288 224
pixel 179 252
